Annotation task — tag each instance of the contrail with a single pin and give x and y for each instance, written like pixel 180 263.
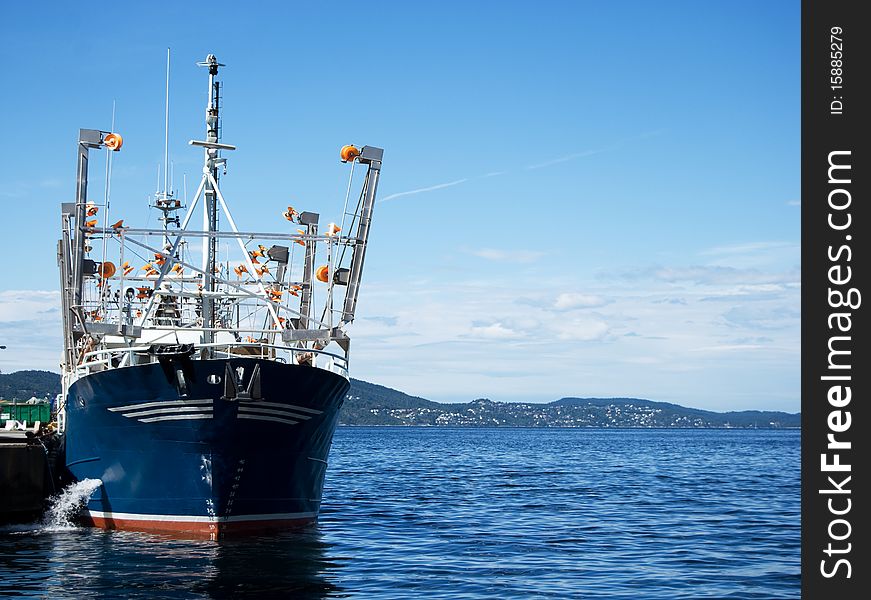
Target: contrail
pixel 565 158
pixel 492 174
pixel 548 163
pixel 426 189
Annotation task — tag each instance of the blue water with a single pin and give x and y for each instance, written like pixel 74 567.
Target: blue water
pixel 479 513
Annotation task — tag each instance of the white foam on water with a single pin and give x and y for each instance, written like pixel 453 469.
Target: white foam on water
pixel 68 503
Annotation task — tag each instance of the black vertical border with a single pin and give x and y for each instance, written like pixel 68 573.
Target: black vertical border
pixel 822 133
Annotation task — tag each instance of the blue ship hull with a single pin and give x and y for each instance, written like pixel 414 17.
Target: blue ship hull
pixel 180 451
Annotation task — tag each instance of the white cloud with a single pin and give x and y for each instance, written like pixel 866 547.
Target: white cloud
pixel 762 256
pixel 30 328
pixel 583 330
pixel 496 331
pixel 572 300
pixel 456 340
pixel 629 336
pixel 706 275
pixel 729 348
pixel 27 305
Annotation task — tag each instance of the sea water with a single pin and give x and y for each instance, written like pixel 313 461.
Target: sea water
pixel 478 513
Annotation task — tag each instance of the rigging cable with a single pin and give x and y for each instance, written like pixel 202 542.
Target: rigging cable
pixel 106 196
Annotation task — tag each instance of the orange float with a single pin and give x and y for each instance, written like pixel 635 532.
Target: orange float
pixel 107 269
pixel 323 273
pixel 349 153
pixel 113 141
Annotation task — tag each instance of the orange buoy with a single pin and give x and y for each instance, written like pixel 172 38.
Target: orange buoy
pixel 91 223
pixel 107 269
pixel 349 153
pixel 323 273
pixel 91 209
pixel 117 224
pixel 332 229
pixel 113 141
pixel 290 214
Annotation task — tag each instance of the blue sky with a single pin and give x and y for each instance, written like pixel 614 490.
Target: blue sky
pixel 577 198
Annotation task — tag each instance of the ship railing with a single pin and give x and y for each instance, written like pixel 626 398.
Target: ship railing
pixel 109 358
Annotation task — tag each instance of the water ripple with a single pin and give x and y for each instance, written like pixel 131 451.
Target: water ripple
pixel 479 513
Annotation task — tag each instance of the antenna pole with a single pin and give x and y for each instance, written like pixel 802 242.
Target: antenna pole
pixel 211 197
pixel 166 133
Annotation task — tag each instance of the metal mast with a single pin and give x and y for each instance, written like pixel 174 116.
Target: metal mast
pixel 211 198
pixel 369 155
pixel 71 250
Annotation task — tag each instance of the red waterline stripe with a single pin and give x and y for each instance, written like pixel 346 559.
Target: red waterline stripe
pixel 197 529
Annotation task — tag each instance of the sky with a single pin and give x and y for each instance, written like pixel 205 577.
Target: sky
pixel 577 198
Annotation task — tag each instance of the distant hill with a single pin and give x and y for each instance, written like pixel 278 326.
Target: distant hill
pixel 372 404
pixel 566 412
pixel 363 398
pixel 667 413
pixel 23 385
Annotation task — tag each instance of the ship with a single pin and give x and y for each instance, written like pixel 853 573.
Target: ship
pixel 204 366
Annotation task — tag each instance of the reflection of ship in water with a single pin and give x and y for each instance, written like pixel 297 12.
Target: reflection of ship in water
pixel 294 564
pixel 290 565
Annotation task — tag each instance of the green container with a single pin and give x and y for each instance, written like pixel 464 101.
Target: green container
pixel 26 412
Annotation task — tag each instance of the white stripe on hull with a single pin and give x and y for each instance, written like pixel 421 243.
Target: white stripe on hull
pixel 160 404
pixel 257 403
pixel 184 410
pixel 175 418
pixel 168 411
pixel 270 411
pixel 265 418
